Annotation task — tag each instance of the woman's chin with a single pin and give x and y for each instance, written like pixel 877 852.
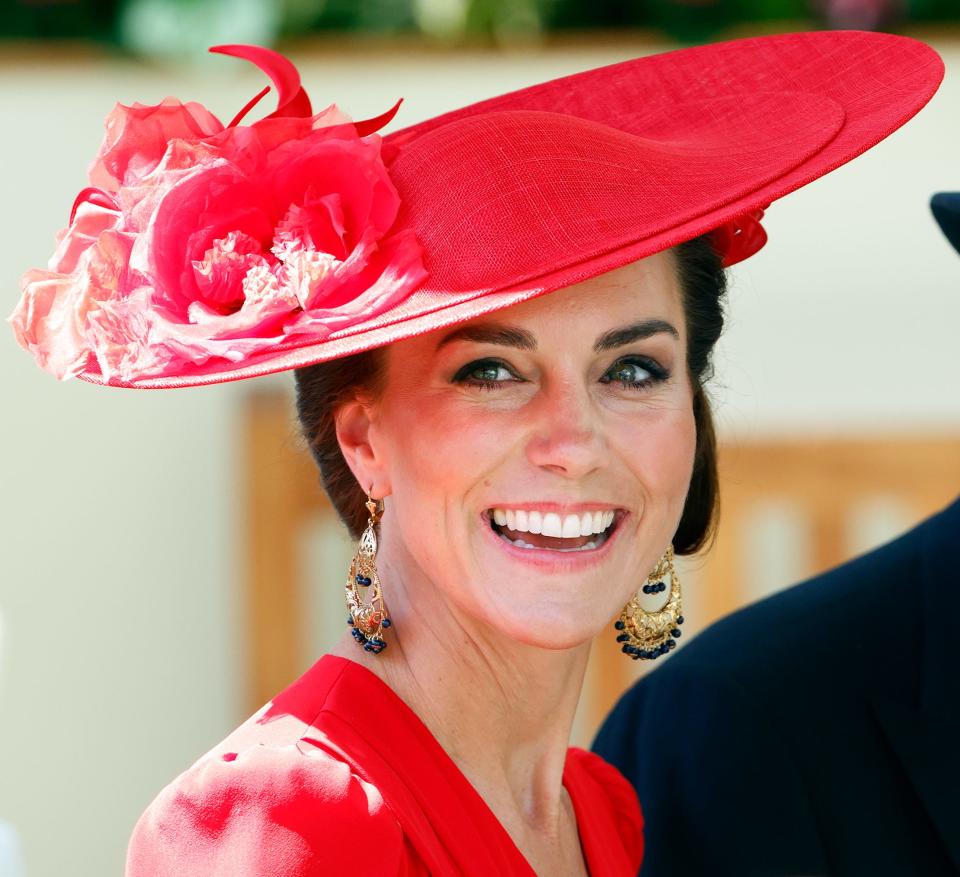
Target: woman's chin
pixel 545 618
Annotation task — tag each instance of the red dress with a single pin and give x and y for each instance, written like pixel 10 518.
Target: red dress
pixel 337 775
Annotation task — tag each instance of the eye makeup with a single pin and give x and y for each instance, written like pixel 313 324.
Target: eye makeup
pixel 656 374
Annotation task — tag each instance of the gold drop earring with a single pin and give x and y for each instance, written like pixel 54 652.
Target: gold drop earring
pixel 367 619
pixel 646 634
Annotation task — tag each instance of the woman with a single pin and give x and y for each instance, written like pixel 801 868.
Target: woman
pixel 507 459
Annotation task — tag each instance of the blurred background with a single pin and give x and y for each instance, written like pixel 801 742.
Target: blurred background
pixel 167 560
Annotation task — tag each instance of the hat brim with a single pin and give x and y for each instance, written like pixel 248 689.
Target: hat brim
pixel 550 185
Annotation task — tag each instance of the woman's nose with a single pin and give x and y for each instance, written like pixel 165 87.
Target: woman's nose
pixel 565 433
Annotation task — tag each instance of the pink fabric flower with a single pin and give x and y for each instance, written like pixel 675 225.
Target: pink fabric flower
pixel 51 320
pixel 136 138
pixel 199 241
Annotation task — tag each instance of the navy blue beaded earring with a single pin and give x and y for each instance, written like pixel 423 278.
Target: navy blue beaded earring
pixel 649 635
pixel 368 619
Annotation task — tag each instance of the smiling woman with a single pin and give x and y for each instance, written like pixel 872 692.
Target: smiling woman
pixel 501 322
pixel 698 281
pixel 573 426
pixel 558 433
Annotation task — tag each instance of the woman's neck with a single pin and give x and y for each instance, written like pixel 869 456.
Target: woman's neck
pixel 501 709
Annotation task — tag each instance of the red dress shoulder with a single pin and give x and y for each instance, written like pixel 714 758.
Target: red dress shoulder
pixel 338 774
pixel 268 810
pixel 604 798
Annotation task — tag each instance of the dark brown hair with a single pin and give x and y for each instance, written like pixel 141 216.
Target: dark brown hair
pixel 322 388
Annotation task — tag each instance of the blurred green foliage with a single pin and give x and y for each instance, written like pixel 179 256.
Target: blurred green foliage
pixel 119 21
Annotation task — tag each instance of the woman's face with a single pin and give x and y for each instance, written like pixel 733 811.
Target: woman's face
pixel 568 414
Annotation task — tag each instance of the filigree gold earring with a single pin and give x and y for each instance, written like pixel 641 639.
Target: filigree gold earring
pixel 368 618
pixel 646 634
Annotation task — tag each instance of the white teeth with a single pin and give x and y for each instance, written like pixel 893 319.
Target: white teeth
pixel 551 524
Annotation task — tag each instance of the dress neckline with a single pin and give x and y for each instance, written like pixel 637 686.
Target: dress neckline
pixel 451 802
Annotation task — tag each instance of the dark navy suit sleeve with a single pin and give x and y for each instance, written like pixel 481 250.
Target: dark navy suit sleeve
pixel 720 792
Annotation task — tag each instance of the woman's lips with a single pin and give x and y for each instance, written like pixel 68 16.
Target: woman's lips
pixel 556 527
pixel 540 549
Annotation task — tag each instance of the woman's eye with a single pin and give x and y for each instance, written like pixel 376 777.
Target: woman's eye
pixel 486 373
pixel 634 373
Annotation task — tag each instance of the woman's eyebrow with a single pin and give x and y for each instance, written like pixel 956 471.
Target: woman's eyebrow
pixel 513 336
pixel 633 332
pixel 508 336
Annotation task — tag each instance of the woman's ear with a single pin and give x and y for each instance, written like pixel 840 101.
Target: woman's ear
pixel 356 432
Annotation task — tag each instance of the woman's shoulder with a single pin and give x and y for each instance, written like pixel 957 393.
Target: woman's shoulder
pixel 277 796
pixel 293 809
pixel 603 787
pixel 606 781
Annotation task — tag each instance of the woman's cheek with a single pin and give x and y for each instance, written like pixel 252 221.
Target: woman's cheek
pixel 663 456
pixel 443 431
pixel 679 451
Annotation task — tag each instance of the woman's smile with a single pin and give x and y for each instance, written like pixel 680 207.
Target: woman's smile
pixel 549 526
pixel 546 534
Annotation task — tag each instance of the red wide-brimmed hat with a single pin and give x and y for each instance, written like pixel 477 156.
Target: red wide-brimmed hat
pixel 203 253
